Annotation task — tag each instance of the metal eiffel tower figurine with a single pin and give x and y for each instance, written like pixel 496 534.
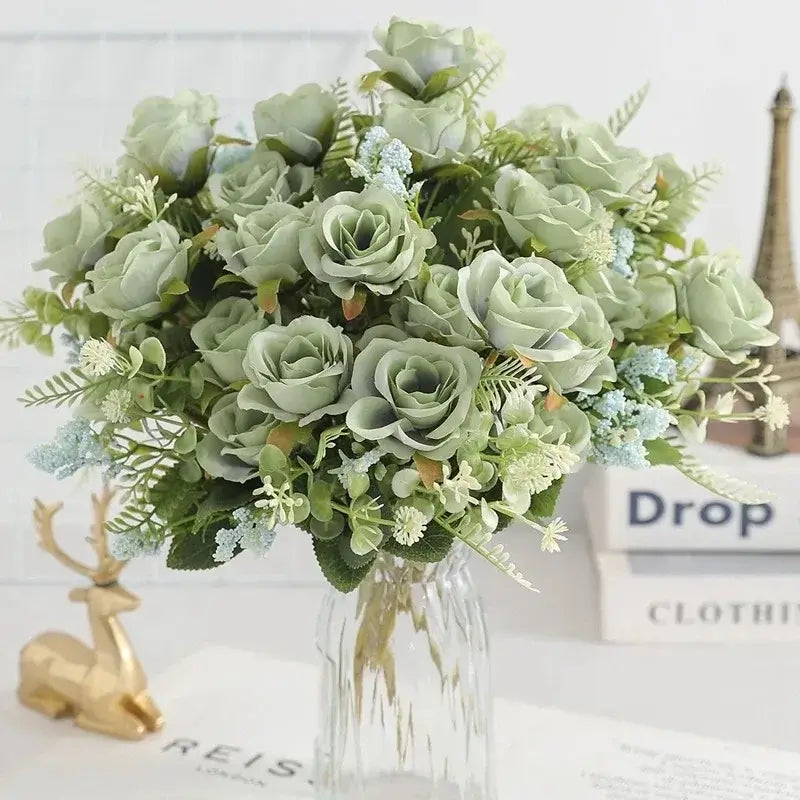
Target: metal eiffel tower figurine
pixel 775 274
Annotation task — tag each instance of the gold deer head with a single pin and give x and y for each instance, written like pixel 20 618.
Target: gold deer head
pixel 103 687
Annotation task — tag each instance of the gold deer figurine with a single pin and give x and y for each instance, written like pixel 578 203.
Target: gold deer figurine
pixel 104 687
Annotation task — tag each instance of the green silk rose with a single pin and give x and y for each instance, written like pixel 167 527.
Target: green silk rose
pixel 130 282
pixel 429 309
pixel 525 306
pixel 727 310
pixel 170 137
pixel 617 296
pixel 300 125
pixel 265 245
pixel 413 396
pixel 235 440
pixel 586 371
pixel 588 155
pixel 74 242
pixel 568 422
pixel 222 337
pixel 263 177
pixel 416 52
pixel 558 218
pixel 439 132
pixel 298 372
pixel 364 238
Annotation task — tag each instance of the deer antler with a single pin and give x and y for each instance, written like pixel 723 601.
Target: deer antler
pixel 43 519
pixel 108 567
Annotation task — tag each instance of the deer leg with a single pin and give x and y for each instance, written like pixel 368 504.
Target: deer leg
pixel 44 700
pixel 114 722
pixel 143 707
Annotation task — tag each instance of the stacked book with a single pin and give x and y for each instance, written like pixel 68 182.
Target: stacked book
pixel 677 563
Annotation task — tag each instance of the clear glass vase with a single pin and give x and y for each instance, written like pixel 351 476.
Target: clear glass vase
pixel 406 694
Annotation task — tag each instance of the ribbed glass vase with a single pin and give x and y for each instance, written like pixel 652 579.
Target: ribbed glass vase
pixel 406 695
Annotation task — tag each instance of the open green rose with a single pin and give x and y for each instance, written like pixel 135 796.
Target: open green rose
pixel 74 242
pixel 588 369
pixel 265 246
pixel 170 137
pixel 298 372
pixel 300 125
pixel 728 312
pixel 413 396
pixel 617 296
pixel 557 218
pixel 525 306
pixel 416 52
pixel 588 155
pixel 263 177
pixel 235 440
pixel 430 310
pixel 130 282
pixel 222 336
pixel 364 238
pixel 439 132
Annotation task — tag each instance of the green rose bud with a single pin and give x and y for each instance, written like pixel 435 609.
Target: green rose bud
pixel 727 310
pixel 567 421
pixel 222 337
pixel 129 283
pixel 235 440
pixel 655 282
pixel 617 296
pixel 300 126
pixel 413 396
pixel 416 52
pixel 558 218
pixel 430 310
pixel 588 369
pixel 524 306
pixel 265 245
pixel 263 177
pixel 439 132
pixel 366 238
pixel 74 242
pixel 170 138
pixel 300 372
pixel 587 154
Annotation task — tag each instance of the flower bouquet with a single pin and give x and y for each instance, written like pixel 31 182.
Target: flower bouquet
pixel 382 318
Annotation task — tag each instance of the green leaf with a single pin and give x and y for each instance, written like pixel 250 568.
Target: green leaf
pixel 286 435
pixel 365 539
pixel 186 442
pixel 153 352
pixel 543 504
pixel 223 496
pixel 175 287
pixel 194 551
pixel 327 530
pixel 272 461
pixel 398 82
pixel 228 278
pixel 458 171
pixel 438 83
pixel 683 326
pixel 671 237
pixel 335 568
pixel 479 214
pixel 190 471
pixel 326 440
pixel 137 359
pixel 433 546
pixel 143 395
pixel 197 380
pixel 660 451
pixel 320 498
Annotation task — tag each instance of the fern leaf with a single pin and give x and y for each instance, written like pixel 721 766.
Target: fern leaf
pixel 497 556
pixel 344 142
pixel 478 85
pixel 686 199
pixel 730 488
pixel 500 378
pixel 622 117
pixel 65 388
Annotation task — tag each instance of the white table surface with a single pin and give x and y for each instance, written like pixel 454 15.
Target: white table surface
pixel 545 651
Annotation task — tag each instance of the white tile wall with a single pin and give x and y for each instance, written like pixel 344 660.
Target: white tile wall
pixel 66 99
